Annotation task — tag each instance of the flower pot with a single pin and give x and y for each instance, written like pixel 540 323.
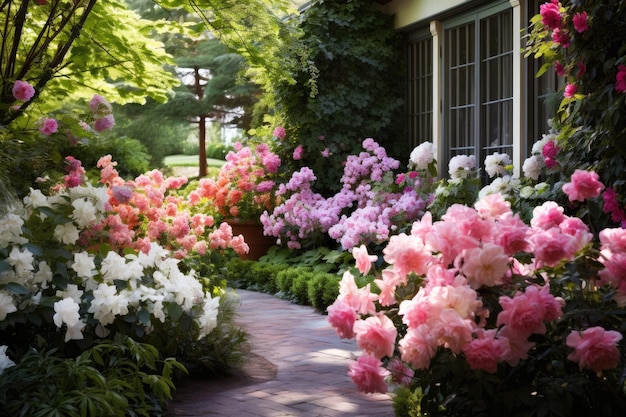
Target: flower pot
pixel 253 235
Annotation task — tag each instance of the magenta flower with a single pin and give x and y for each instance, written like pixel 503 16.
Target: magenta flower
pixel 595 348
pixel 559 68
pixel 99 106
pixel 23 91
pixel 551 15
pixel 48 126
pixel 581 22
pixel 325 153
pixel 583 185
pixel 620 79
pixel 582 69
pixel 561 37
pixel 570 90
pixel 104 123
pixel 549 153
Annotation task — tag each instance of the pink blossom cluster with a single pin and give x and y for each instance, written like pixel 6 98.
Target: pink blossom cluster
pixel 367 209
pixel 450 263
pixel 148 209
pixel 245 186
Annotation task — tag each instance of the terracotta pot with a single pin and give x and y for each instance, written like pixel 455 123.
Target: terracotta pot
pixel 253 235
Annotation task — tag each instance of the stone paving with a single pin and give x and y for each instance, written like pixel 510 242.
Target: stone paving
pixel 311 364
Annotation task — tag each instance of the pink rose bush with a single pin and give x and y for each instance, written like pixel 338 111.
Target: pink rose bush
pixel 482 302
pixel 372 203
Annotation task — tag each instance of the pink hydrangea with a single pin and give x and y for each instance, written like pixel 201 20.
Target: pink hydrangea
pixel 22 90
pixel 279 133
pixel 297 153
pixel 594 348
pixel 368 374
pixel 583 185
pixel 341 316
pixel 376 335
pixel 48 126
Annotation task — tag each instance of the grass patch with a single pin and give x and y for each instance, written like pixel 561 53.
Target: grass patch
pixel 190 161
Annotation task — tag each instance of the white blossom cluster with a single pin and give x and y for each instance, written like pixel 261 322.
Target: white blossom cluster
pixel 101 287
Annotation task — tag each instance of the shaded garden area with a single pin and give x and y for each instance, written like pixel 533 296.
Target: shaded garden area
pixel 471 291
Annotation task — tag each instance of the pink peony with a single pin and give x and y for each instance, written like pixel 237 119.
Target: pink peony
pixel 48 127
pixel 23 91
pixel 368 374
pixel 99 106
pixel 595 348
pixel 485 266
pixel 104 123
pixel 561 37
pixel 549 152
pixel 363 259
pixel 547 216
pixel 387 286
pixel 524 313
pixel 400 373
pixel 451 330
pixel 559 69
pixel 279 133
pixel 486 351
pixel 581 22
pixel 360 299
pixel 418 347
pixel 512 234
pixel 620 79
pixel 341 317
pixel 584 184
pixel 297 153
pixel 493 205
pixel 551 246
pixel 407 254
pixel 376 335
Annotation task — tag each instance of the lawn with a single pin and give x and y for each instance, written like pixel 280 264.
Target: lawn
pixel 190 161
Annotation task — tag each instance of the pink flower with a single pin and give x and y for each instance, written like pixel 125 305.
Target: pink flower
pixel 360 299
pixel 559 68
pixel 368 374
pixel 48 127
pixel 341 317
pixel 525 312
pixel 104 123
pixel 550 15
pixel 407 254
pixel 376 335
pixel 547 216
pixel 584 184
pixel 297 153
pixel 387 286
pixel 581 22
pixel 512 234
pixel 452 331
pixel 486 351
pixel 99 106
pixel 265 186
pixel 620 79
pixel 551 246
pixel 418 347
pixel 561 37
pixel 325 153
pixel 363 259
pixel 570 90
pixel 400 373
pixel 582 69
pixel 279 133
pixel 492 205
pixel 595 348
pixel 23 91
pixel 485 266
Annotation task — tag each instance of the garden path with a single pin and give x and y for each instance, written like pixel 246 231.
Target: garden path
pixel 297 367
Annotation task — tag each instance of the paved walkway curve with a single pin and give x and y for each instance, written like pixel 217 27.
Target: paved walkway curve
pixel 311 363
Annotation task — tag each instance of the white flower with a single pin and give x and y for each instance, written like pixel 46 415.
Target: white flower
pixel 496 163
pixel 5 361
pixel 460 166
pixel 43 275
pixel 538 146
pixel 11 230
pixel 99 196
pixel 84 264
pixel 84 212
pixel 106 304
pixel 532 167
pixel 36 199
pixel 7 304
pixel 66 233
pixel 21 261
pixel 72 292
pixel 66 312
pixel 422 155
pixel 208 319
pixel 75 332
pixel 113 267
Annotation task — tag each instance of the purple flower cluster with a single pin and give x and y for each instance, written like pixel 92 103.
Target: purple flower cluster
pixel 368 208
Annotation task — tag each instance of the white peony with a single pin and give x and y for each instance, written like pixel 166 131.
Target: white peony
pixel 21 261
pixel 66 233
pixel 84 264
pixel 532 167
pixel 36 199
pixel 422 155
pixel 460 166
pixel 11 230
pixel 496 164
pixel 107 304
pixel 66 312
pixel 84 212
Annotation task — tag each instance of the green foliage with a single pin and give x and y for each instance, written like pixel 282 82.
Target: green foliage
pixel 347 89
pixel 218 150
pixel 113 378
pixel 322 258
pixel 323 290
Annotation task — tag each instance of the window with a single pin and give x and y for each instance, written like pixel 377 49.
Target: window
pixel 478 85
pixel 420 90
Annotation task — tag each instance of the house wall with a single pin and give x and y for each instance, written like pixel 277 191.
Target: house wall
pixel 407 12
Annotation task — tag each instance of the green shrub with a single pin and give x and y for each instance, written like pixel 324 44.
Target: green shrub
pixel 237 273
pixel 300 287
pixel 218 150
pixel 323 289
pixel 113 378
